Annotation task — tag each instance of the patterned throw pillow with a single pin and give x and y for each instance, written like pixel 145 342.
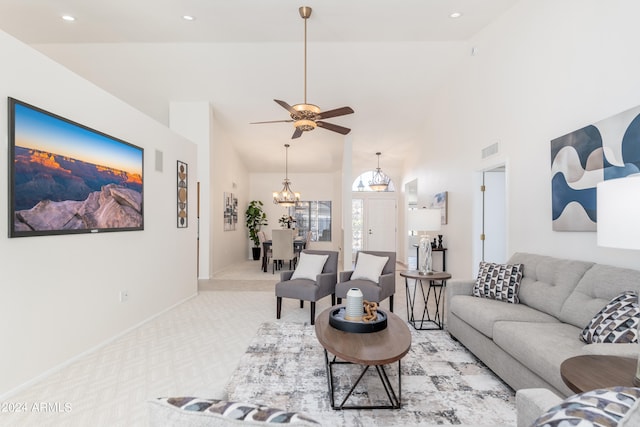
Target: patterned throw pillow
pixel 191 410
pixel 500 282
pixel 617 322
pixel 604 408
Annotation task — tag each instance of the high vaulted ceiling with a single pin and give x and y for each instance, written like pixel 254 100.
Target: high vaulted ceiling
pixel 379 57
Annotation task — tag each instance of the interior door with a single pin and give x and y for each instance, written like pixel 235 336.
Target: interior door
pixel 494 216
pixel 380 220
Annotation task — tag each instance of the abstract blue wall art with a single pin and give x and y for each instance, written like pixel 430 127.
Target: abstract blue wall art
pixel 605 150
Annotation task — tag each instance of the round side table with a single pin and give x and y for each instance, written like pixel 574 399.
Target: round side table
pixel 435 284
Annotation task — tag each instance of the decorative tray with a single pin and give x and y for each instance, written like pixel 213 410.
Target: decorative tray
pixel 337 320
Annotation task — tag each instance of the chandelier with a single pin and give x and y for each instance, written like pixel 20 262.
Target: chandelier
pixel 286 197
pixel 380 181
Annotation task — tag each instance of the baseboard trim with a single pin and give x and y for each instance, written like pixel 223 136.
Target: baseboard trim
pixel 59 367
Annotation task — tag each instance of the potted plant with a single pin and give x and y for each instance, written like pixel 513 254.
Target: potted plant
pixel 255 219
pixel 286 221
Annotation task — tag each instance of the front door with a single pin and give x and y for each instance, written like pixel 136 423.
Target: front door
pixel 381 221
pixel 374 224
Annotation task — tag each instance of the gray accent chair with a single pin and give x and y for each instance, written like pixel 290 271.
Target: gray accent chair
pixel 371 291
pixel 309 290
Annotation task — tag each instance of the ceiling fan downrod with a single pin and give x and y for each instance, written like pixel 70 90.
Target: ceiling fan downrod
pixel 305 13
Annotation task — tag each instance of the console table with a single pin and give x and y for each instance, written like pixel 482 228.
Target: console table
pixel 444 256
pixel 435 282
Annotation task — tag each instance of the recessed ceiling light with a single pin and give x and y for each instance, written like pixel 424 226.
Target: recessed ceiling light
pixel 455 15
pixel 188 18
pixel 68 18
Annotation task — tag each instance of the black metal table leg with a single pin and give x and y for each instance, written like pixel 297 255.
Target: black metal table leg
pixel 395 400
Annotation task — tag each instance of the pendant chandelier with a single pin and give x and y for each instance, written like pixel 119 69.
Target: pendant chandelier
pixel 286 197
pixel 380 181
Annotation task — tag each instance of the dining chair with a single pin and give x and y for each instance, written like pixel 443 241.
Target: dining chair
pixel 266 255
pixel 282 248
pixel 304 245
pixel 374 275
pixel 315 277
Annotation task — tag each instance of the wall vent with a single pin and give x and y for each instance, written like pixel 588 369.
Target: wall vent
pixel 490 150
pixel 158 161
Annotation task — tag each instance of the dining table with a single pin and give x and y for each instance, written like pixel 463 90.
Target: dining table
pixel 299 244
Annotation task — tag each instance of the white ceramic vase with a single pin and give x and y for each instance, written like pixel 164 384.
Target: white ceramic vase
pixel 354 309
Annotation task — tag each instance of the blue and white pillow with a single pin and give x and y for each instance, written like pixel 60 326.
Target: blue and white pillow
pixel 609 407
pixel 617 322
pixel 193 411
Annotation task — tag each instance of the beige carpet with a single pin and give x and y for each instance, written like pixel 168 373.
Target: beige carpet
pixel 190 350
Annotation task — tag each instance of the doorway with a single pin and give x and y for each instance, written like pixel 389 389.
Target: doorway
pixel 491 223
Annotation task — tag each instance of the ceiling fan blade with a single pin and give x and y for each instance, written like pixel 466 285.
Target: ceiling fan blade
pixel 335 113
pixel 286 106
pixel 271 121
pixel 296 134
pixel 335 128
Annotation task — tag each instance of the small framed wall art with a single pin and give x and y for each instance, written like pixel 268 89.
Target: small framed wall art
pixel 183 196
pixel 230 211
pixel 440 202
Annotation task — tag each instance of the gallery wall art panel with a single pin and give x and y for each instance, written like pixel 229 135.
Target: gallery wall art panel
pixel 607 149
pixel 230 211
pixel 67 178
pixel 183 195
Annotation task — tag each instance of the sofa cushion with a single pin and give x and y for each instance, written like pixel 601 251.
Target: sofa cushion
pixel 603 407
pixel 622 350
pixel 617 322
pixel 598 286
pixel 369 267
pixel 500 282
pixel 541 347
pixel 548 281
pixel 309 266
pixel 483 313
pixel 196 412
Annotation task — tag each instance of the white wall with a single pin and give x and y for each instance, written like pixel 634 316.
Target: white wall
pixel 228 174
pixel 311 186
pixel 544 69
pixel 193 121
pixel 60 293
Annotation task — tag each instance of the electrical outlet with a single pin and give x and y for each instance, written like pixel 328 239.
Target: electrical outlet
pixel 124 296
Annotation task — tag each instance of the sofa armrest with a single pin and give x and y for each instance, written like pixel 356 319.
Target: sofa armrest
pixel 387 283
pixel 456 287
pixel 460 287
pixel 286 275
pixel 345 276
pixel 533 402
pixel 327 283
pixel 612 349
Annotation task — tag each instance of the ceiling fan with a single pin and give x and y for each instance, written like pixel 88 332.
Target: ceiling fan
pixel 306 117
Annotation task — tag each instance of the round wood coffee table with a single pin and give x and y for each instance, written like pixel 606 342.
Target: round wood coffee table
pixel 591 372
pixel 369 349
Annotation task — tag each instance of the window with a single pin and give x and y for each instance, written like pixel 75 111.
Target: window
pixel 361 183
pixel 314 216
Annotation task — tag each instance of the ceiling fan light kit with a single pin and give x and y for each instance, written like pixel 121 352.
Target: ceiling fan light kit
pixel 306 117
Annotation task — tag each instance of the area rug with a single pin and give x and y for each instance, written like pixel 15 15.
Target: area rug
pixel 442 383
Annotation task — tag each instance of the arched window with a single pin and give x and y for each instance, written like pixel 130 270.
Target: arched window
pixel 362 182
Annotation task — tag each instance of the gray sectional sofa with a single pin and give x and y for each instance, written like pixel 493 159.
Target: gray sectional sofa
pixel 525 343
